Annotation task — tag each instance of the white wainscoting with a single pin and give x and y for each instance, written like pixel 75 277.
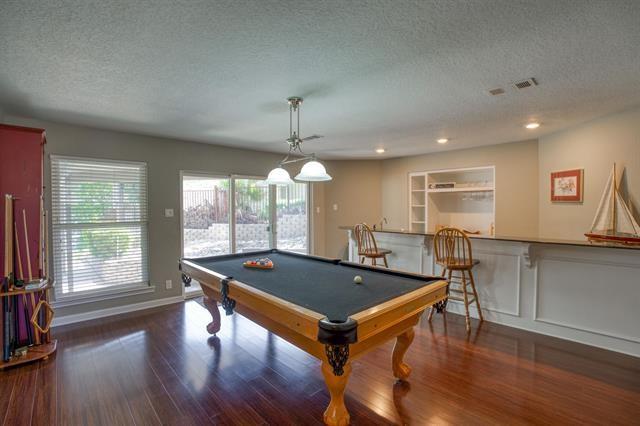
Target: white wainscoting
pixel 499 274
pixel 598 295
pixel 585 294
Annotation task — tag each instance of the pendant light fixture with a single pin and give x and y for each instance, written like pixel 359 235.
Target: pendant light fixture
pixel 313 171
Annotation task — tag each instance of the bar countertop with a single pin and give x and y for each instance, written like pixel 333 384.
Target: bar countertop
pixel 537 240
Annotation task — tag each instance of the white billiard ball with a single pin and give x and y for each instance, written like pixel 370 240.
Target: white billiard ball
pixel 357 279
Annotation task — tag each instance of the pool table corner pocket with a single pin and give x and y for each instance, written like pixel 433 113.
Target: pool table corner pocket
pixel 228 304
pixel 336 337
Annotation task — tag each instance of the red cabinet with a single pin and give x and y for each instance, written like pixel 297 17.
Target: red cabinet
pixel 21 175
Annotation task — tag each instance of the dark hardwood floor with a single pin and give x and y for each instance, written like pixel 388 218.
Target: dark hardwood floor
pixel 161 366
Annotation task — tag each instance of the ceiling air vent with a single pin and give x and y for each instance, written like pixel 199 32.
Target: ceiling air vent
pixel 498 91
pixel 524 84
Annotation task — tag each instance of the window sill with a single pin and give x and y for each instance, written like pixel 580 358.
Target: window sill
pixel 62 302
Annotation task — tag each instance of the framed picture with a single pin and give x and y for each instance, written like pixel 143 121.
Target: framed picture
pixel 567 186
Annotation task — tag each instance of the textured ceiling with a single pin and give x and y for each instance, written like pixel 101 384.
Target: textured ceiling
pixel 397 74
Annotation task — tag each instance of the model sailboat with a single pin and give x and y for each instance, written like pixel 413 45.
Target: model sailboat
pixel 614 221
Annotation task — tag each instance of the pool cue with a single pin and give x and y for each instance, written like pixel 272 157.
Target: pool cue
pixel 6 301
pixel 46 244
pixel 14 323
pixel 25 309
pixel 47 335
pixel 42 192
pixel 11 318
pixel 8 236
pixel 20 271
pixel 6 327
pixel 26 243
pixel 40 241
pixel 25 297
pixel 27 319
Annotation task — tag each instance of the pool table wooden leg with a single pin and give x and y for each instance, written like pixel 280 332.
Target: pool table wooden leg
pixel 212 306
pixel 336 413
pixel 403 341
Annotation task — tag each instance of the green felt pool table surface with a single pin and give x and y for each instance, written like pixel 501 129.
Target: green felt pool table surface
pixel 325 286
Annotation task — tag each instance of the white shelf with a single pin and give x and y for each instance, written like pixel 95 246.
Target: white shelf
pixel 463 189
pixel 417 201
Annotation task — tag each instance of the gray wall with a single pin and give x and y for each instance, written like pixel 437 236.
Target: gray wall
pixel 165 158
pixel 355 192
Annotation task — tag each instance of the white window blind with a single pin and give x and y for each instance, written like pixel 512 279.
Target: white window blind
pixel 99 225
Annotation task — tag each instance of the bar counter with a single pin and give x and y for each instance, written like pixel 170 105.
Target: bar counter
pixel 576 290
pixel 536 240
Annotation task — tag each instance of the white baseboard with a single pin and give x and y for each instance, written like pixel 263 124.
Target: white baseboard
pixel 116 310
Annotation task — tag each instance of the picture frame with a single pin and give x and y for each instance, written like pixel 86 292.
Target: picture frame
pixel 567 186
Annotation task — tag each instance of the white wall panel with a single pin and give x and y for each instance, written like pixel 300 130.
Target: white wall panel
pixel 598 296
pixel 498 281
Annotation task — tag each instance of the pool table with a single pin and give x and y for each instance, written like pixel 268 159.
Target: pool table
pixel 314 303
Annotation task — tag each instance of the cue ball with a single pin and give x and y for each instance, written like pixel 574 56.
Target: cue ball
pixel 357 279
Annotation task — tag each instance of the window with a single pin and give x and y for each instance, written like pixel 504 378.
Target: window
pixel 99 224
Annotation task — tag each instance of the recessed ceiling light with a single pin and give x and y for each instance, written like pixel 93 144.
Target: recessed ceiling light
pixel 532 125
pixel 380 150
pixel 443 140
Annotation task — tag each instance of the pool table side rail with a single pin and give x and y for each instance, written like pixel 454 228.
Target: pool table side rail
pixel 392 272
pixel 302 320
pixel 377 318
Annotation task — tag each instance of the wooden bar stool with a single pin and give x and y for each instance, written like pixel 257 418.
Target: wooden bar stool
pixel 452 251
pixel 367 247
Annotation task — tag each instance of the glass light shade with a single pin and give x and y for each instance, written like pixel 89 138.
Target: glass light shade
pixel 313 171
pixel 279 176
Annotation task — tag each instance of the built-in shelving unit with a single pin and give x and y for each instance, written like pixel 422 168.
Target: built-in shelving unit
pixel 417 202
pixel 463 198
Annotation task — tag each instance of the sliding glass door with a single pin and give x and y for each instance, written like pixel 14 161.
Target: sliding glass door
pixel 252 207
pixel 205 215
pixel 227 214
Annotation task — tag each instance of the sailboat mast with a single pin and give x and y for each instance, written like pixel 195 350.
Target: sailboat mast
pixel 613 200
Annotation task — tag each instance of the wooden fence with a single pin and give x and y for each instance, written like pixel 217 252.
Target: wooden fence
pixel 205 207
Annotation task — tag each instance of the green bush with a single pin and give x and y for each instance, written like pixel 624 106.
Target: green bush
pixel 94 205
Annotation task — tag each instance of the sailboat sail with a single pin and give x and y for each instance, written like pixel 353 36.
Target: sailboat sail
pixel 625 223
pixel 603 222
pixel 614 221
